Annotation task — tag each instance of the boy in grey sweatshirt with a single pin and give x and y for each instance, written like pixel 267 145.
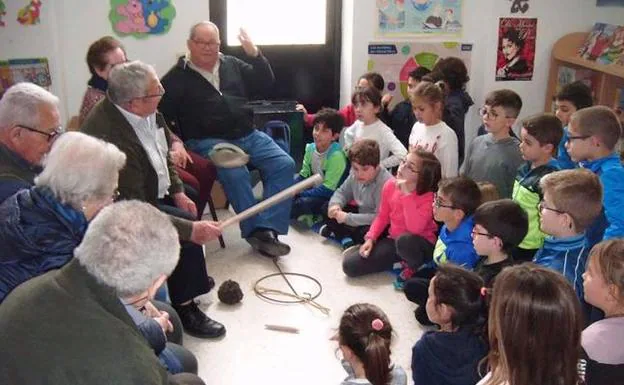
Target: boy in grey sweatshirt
pixel 353 206
pixel 495 157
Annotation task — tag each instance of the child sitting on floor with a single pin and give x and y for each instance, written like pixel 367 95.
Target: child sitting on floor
pixel 406 206
pixel 324 157
pixel 352 208
pixel 540 136
pixel 451 354
pixel 604 288
pixel 367 104
pixel 572 201
pixel 454 204
pixel 364 338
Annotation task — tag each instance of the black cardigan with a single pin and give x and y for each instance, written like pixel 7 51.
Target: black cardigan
pixel 194 109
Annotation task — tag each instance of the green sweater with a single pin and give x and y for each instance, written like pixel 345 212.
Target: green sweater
pixel 64 327
pixel 333 166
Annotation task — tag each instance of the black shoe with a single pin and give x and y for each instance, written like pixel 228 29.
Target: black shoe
pixel 210 283
pixel 266 242
pixel 421 316
pixel 198 324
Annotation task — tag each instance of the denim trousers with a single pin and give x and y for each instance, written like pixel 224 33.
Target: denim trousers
pixel 276 169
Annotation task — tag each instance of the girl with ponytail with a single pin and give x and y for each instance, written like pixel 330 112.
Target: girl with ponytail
pixel 364 337
pixel 451 355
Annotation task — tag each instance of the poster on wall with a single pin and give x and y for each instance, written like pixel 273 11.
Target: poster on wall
pixel 610 3
pixel 141 18
pixel 24 70
pixel 516 48
pixel 29 15
pixel 419 17
pixel 394 61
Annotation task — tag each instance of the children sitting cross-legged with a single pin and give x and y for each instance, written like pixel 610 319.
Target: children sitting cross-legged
pixel 540 136
pixel 430 133
pixel 593 133
pixel 364 338
pixel 572 201
pixel 324 157
pixel 451 355
pixel 495 157
pixel 604 288
pixel 454 204
pixel 570 99
pixel 352 208
pixel 406 207
pixel 367 104
pixel 534 329
pixel 499 227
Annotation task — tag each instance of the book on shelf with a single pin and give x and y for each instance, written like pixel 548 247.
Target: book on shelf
pixel 604 44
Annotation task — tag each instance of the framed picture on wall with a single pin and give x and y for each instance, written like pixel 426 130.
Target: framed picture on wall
pixel 516 48
pixel 419 17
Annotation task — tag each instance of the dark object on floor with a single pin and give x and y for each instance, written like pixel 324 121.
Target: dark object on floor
pixel 230 292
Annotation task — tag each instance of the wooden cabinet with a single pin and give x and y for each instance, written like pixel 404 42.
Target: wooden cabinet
pixel 607 78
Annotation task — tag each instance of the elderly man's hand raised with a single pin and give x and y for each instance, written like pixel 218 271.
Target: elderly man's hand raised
pixel 205 231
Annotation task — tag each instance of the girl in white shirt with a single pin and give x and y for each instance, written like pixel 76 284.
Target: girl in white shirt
pixel 367 104
pixel 534 328
pixel 430 133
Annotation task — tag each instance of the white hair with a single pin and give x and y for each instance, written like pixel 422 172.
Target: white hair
pixel 79 167
pixel 205 22
pixel 128 246
pixel 131 80
pixel 21 104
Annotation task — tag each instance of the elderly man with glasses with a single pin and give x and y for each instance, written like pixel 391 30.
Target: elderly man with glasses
pixel 205 105
pixel 29 123
pixel 128 118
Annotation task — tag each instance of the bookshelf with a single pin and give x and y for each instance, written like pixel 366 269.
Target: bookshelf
pixel 608 78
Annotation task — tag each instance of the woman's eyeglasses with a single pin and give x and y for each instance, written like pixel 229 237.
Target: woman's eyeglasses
pixel 56 131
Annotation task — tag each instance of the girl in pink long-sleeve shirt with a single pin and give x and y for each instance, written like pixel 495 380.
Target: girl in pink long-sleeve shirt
pixel 407 207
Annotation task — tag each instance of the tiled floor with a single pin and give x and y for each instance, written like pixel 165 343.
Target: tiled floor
pixel 251 354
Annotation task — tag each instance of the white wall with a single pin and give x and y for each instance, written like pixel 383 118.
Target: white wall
pixel 67 29
pixel 555 19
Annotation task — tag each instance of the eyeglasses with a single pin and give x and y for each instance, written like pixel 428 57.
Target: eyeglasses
pixel 139 304
pixel 437 203
pixel 161 92
pixel 542 206
pixel 475 232
pixel 578 137
pixel 56 131
pixel 488 113
pixel 207 44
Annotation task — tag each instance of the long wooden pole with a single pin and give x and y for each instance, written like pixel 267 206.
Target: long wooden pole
pixel 312 181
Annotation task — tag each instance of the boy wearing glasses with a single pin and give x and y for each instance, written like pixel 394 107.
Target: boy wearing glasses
pixel 593 134
pixel 572 201
pixel 499 227
pixel 540 136
pixel 495 157
pixel 454 205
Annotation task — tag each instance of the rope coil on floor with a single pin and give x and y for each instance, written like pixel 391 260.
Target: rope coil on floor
pixel 305 297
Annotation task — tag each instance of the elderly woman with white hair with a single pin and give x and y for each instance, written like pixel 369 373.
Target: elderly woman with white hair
pixel 44 224
pixel 70 326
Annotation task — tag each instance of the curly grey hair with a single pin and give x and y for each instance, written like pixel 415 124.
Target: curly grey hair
pixel 21 104
pixel 80 167
pixel 128 246
pixel 131 80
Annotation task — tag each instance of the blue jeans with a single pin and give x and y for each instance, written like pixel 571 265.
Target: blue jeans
pixel 276 168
